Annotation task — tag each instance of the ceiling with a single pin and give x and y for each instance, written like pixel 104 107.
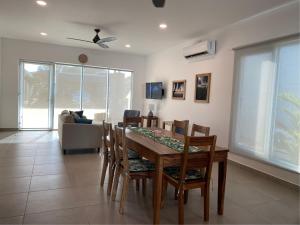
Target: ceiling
pixel 133 22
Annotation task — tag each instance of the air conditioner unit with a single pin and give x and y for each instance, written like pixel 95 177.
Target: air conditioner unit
pixel 204 48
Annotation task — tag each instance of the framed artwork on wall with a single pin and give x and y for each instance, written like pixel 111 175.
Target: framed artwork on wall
pixel 202 88
pixel 178 89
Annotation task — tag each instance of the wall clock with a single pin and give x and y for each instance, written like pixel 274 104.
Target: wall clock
pixel 83 58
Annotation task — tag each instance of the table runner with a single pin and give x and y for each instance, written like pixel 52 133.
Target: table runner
pixel 165 140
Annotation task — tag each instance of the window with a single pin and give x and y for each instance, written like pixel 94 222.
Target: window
pixel 119 94
pixel 92 89
pixel 266 105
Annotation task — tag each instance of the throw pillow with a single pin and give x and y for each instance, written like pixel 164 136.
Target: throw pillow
pixel 79 113
pixel 75 116
pixel 83 121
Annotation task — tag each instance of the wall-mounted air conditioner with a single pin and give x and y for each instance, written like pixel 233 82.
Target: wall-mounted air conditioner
pixel 201 49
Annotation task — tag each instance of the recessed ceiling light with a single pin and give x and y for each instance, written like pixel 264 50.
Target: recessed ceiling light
pixel 163 26
pixel 43 34
pixel 41 3
pixel 128 46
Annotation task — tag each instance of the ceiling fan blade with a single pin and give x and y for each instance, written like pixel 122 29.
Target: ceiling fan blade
pixel 159 3
pixel 76 39
pixel 103 45
pixel 108 39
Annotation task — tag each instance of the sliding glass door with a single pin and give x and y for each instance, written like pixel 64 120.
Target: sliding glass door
pixel 94 91
pixel 48 89
pixel 35 96
pixel 67 89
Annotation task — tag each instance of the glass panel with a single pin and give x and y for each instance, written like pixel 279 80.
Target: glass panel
pixel 67 89
pixel 120 94
pixel 286 132
pixel 94 92
pixel 255 103
pixel 35 96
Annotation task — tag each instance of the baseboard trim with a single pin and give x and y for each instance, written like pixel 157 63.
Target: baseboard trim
pixel 9 129
pixel 294 186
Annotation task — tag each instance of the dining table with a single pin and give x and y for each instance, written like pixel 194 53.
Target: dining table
pixel 164 155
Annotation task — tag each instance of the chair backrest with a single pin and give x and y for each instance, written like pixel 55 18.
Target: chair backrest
pixel 181 127
pixel 200 129
pixel 206 161
pixel 167 123
pixel 132 113
pixel 125 161
pixel 108 137
pixel 118 144
pixel 133 121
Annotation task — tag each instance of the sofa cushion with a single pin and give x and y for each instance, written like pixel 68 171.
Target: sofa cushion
pixel 83 121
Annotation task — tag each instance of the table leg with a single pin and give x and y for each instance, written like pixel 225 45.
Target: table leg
pixel 157 190
pixel 221 186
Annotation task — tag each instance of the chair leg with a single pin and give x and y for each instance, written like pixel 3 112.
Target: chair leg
pixel 137 184
pixel 186 197
pixel 164 192
pixel 176 194
pixel 206 204
pixel 124 193
pixel 144 187
pixel 111 172
pixel 116 183
pixel 181 207
pixel 103 172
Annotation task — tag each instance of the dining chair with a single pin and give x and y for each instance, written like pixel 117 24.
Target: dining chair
pixel 129 169
pixel 167 124
pixel 180 127
pixel 198 129
pixel 108 155
pixel 189 176
pixel 133 121
pixel 129 114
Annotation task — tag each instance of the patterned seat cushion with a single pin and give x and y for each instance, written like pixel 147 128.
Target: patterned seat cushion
pixel 191 175
pixel 132 154
pixel 140 165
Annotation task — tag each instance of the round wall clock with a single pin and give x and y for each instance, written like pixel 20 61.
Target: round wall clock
pixel 83 58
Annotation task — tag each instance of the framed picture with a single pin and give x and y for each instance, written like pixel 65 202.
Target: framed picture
pixel 202 89
pixel 178 89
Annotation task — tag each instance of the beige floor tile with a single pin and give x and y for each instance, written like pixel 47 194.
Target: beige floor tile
pixel 64 198
pixel 48 159
pixel 13 205
pixel 12 220
pixel 14 185
pixel 104 214
pixel 15 171
pixel 83 178
pixel 16 161
pixel 67 216
pixel 49 169
pixel 22 152
pixel 49 182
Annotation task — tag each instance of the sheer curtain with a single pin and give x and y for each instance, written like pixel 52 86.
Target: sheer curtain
pixel 266 104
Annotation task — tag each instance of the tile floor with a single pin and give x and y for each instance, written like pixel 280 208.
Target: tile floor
pixel 39 185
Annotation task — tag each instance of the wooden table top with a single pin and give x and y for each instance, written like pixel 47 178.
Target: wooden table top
pixel 157 148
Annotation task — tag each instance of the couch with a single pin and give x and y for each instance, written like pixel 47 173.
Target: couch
pixel 78 136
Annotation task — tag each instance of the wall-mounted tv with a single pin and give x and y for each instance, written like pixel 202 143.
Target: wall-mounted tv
pixel 154 90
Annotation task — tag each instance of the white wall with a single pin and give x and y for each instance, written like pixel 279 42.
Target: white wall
pixel 14 50
pixel 169 65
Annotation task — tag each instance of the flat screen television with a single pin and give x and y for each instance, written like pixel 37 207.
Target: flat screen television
pixel 154 90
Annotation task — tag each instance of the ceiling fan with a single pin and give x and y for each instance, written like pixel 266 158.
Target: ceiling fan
pixel 97 40
pixel 159 3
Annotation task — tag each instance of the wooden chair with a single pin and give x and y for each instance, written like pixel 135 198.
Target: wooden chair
pixel 151 121
pixel 200 129
pixel 135 169
pixel 168 123
pixel 133 121
pixel 181 127
pixel 108 155
pixel 188 175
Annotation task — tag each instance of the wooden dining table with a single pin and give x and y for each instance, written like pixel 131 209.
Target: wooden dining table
pixel 163 156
